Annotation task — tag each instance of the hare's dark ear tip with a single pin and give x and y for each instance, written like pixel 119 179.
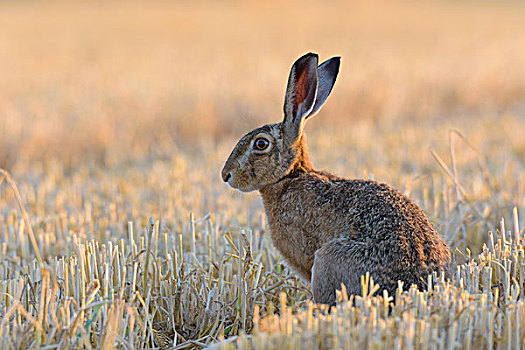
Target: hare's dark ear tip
pixel 333 62
pixel 330 68
pixel 309 55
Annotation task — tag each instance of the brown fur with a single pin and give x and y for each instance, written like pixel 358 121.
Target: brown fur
pixel 329 229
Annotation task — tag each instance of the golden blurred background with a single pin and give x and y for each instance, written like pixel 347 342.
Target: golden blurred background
pixel 106 81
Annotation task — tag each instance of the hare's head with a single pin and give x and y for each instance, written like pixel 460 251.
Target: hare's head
pixel 267 154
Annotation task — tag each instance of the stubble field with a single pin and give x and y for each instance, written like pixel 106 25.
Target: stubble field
pixel 116 230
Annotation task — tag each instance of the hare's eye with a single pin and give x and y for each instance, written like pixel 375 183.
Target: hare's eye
pixel 261 144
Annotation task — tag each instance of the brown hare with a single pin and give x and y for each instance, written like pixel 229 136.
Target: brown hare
pixel 329 229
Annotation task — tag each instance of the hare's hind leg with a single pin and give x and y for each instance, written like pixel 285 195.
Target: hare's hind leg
pixel 345 260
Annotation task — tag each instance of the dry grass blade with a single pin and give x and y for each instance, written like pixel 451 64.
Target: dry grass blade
pixel 12 183
pixel 151 227
pixel 450 173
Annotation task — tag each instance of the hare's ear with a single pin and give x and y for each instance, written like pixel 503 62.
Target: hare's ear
pixel 300 93
pixel 327 74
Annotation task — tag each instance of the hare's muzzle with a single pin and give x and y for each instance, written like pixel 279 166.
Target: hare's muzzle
pixel 226 175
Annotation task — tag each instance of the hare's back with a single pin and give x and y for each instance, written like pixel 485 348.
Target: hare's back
pixel 378 204
pixel 371 209
pixel 386 218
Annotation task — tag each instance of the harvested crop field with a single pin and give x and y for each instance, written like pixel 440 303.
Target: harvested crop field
pixel 117 231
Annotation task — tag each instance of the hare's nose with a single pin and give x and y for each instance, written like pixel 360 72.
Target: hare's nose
pixel 226 176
